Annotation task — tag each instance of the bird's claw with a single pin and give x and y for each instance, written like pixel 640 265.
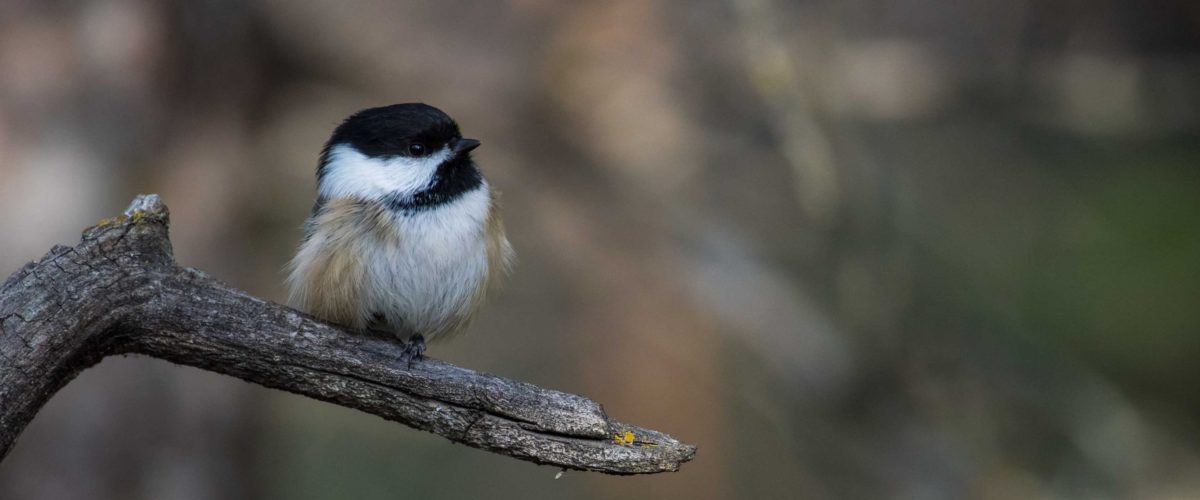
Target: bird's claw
pixel 414 349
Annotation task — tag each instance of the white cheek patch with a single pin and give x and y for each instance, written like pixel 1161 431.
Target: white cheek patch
pixel 351 174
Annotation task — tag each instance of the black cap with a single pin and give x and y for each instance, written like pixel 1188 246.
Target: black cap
pixel 393 130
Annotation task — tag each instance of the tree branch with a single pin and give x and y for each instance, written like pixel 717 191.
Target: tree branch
pixel 119 291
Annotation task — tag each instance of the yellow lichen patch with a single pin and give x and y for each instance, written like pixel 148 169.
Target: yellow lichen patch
pixel 625 439
pixel 111 221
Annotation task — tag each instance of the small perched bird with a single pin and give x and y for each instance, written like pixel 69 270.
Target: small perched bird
pixel 405 237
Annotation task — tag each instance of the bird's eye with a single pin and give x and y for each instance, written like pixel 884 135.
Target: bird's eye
pixel 416 149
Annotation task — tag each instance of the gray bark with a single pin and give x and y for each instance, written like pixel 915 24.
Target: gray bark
pixel 119 291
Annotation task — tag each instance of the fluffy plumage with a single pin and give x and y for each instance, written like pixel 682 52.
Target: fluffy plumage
pixel 403 239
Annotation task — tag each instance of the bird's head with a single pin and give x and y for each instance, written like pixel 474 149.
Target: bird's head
pixel 410 156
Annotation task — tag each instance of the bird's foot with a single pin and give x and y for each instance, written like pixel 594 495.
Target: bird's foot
pixel 414 349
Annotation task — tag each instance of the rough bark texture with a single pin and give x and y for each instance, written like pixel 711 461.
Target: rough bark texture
pixel 119 291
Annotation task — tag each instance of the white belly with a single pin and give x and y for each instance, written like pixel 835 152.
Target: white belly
pixel 430 278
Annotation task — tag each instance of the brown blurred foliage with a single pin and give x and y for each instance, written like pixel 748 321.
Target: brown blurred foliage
pixel 900 249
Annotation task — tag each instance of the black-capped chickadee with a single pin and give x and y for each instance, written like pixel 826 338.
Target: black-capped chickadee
pixel 405 237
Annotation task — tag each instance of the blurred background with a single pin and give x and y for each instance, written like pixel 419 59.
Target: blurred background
pixel 852 249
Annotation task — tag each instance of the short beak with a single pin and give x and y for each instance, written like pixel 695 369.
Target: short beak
pixel 465 145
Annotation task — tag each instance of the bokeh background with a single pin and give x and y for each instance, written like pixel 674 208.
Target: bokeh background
pixel 851 248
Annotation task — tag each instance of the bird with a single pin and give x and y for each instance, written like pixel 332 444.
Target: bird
pixel 405 238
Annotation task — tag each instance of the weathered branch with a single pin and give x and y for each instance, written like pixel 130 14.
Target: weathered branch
pixel 119 291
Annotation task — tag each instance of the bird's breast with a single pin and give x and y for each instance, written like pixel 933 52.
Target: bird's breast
pixel 419 271
pixel 429 274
